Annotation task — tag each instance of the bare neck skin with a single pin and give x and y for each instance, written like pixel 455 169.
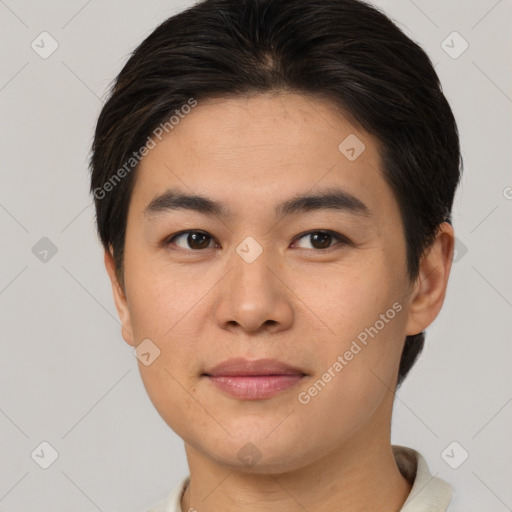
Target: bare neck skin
pixel 359 476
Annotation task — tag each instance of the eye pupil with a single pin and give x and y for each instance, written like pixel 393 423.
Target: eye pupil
pixel 323 238
pixel 197 240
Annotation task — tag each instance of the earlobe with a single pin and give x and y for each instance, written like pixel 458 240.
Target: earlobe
pixel 429 290
pixel 119 298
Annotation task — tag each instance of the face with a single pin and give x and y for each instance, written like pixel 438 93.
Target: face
pixel 301 259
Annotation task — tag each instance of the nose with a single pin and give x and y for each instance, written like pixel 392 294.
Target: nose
pixel 254 295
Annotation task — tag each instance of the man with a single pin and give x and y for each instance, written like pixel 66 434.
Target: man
pixel 273 185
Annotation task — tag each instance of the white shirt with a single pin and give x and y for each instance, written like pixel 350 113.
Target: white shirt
pixel 428 493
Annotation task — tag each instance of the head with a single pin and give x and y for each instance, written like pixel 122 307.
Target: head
pixel 248 106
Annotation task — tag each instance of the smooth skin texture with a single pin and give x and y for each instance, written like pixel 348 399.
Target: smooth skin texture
pixel 297 302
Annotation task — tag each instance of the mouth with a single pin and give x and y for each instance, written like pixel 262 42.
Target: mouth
pixel 254 387
pixel 253 380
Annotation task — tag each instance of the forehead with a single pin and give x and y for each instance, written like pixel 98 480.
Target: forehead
pixel 249 151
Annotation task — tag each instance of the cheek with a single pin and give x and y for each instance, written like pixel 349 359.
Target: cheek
pixel 159 298
pixel 172 395
pixel 348 300
pixel 162 310
pixel 362 320
pixel 354 376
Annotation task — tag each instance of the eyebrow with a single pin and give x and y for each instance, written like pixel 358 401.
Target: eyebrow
pixel 328 199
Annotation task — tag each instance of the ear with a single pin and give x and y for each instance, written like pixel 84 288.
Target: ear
pixel 429 289
pixel 119 299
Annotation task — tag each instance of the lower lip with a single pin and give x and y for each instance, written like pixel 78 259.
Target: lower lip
pixel 254 387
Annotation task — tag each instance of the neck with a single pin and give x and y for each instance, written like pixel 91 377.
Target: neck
pixel 359 475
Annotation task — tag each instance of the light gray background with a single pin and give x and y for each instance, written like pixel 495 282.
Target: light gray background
pixel 66 375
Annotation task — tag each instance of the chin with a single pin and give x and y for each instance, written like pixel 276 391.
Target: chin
pixel 257 457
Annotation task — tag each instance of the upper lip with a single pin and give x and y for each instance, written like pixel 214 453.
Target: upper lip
pixel 241 366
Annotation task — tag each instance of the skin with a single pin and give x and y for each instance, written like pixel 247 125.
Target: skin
pixel 296 302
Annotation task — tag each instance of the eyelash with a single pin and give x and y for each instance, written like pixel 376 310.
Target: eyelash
pixel 343 240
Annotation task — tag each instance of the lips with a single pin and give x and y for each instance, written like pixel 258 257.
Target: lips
pixel 253 380
pixel 243 367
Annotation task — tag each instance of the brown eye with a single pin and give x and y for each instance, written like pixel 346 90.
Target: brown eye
pixel 322 239
pixel 195 240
